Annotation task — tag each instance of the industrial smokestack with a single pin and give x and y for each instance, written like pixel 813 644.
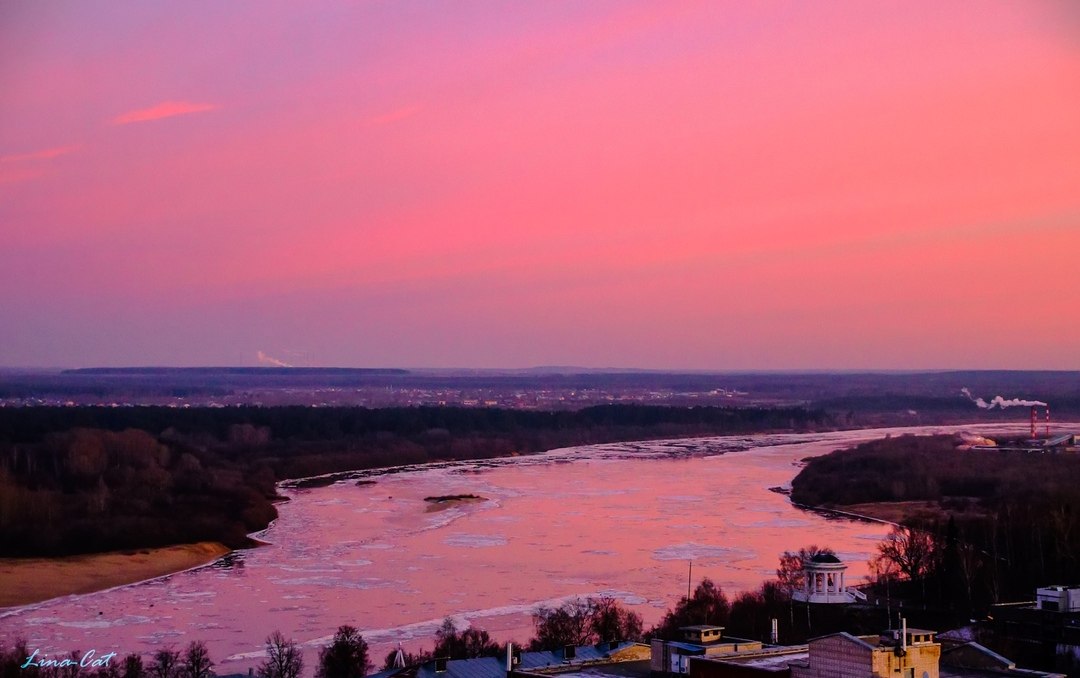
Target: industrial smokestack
pixel 509 658
pixel 774 637
pixel 903 634
pixel 1048 422
pixel 1034 420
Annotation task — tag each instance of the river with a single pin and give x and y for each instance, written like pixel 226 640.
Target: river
pixel 622 519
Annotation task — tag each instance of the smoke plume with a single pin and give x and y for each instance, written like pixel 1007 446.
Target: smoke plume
pixel 271 360
pixel 998 401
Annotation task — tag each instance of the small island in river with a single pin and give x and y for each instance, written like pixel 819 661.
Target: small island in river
pixel 444 501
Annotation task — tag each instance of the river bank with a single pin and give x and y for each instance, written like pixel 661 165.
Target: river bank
pixel 34 580
pixel 370 554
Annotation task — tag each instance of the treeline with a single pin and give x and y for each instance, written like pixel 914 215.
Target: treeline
pixel 1006 522
pixel 932 468
pixel 90 479
pixel 331 424
pixel 89 490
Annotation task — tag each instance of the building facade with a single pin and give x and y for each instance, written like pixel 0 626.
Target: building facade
pixel 842 655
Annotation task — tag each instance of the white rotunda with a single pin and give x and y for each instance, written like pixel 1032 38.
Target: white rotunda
pixel 824 576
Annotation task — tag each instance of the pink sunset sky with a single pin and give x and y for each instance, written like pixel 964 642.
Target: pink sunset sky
pixel 709 185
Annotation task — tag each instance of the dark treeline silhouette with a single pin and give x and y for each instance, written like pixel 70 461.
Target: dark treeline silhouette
pixel 584 621
pixel 334 424
pixel 88 490
pixel 749 614
pixel 91 479
pixel 346 656
pixel 1004 522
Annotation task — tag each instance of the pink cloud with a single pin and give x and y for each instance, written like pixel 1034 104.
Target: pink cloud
pixel 25 166
pixel 166 109
pixel 46 154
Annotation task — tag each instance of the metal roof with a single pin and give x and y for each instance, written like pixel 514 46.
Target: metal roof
pixel 861 641
pixel 495 667
pixel 583 654
pixel 483 667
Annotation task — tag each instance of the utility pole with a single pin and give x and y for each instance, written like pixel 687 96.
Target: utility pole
pixel 689 575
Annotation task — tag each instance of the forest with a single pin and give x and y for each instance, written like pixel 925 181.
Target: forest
pixel 92 479
pixel 1006 522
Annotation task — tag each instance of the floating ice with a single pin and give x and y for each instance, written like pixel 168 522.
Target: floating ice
pixel 693 551
pixel 778 523
pixel 475 540
pixel 335 582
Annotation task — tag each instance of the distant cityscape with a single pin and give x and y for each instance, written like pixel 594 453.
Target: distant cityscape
pixel 390 396
pixel 870 398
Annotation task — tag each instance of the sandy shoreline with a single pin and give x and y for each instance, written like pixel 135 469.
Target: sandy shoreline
pixel 33 580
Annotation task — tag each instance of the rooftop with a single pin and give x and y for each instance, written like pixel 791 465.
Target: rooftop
pixel 824 558
pixel 495 667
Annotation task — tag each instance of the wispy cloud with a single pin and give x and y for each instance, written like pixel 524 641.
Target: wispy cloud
pixel 394 116
pixel 46 154
pixel 166 109
pixel 16 167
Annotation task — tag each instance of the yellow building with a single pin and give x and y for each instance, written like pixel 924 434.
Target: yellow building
pixel 894 654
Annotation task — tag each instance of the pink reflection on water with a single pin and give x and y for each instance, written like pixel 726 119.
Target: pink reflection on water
pixel 621 520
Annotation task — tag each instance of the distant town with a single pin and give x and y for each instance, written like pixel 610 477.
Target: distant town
pixel 858 398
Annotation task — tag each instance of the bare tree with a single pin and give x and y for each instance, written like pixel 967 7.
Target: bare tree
pixel 884 573
pixel 568 624
pixel 913 552
pixel 196 662
pixel 345 657
pixel 612 621
pixel 133 666
pixel 166 664
pixel 283 658
pixel 467 644
pixel 708 605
